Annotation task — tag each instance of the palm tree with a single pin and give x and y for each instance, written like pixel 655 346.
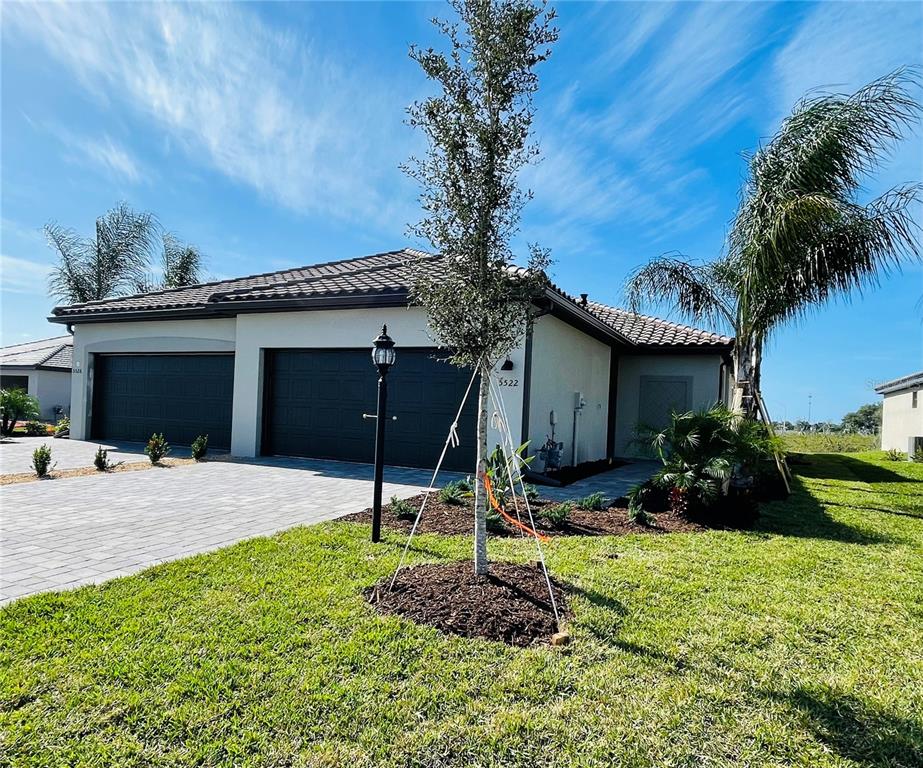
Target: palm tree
pixel 112 263
pixel 800 237
pixel 180 265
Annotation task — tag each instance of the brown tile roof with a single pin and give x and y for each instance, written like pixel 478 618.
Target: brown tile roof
pixel 358 275
pixel 381 275
pixel 46 353
pixel 645 330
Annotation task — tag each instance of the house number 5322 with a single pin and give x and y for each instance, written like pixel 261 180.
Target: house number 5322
pixel 508 382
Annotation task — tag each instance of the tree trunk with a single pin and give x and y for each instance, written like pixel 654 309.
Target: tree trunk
pixel 480 511
pixel 746 377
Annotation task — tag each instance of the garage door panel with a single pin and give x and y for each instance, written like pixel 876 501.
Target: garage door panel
pixel 182 396
pixel 315 400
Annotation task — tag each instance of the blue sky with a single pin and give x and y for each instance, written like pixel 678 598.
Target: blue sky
pixel 270 136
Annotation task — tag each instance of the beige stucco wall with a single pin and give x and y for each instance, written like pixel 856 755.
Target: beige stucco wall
pixel 566 361
pixel 247 336
pixel 900 421
pixel 704 370
pixel 50 387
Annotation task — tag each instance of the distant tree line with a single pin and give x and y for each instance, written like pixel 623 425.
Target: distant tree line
pixel 865 420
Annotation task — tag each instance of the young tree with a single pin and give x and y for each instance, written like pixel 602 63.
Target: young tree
pixel 800 236
pixel 180 265
pixel 477 130
pixel 15 405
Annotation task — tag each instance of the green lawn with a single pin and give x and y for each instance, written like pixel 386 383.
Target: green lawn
pixel 800 643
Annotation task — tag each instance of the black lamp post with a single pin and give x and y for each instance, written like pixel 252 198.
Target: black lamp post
pixel 383 356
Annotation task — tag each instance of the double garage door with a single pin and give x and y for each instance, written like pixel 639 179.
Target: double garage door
pixel 313 402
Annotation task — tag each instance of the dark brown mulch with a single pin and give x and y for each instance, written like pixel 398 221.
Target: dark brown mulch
pixel 510 604
pixel 568 475
pixel 456 519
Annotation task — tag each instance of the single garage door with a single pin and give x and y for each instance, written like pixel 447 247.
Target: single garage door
pixel 182 396
pixel 315 398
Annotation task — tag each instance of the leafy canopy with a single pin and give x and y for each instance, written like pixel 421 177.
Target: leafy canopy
pixel 477 131
pixel 16 405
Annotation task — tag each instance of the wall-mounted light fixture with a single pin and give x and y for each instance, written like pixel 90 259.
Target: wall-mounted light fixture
pixel 507 365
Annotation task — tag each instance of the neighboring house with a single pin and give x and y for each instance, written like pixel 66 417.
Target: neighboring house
pixel 43 369
pixel 902 413
pixel 279 364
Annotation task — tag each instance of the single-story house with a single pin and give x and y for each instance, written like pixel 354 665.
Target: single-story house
pixel 43 369
pixel 902 413
pixel 280 364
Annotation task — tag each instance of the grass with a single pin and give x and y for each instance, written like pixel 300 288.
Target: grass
pixel 796 644
pixel 832 442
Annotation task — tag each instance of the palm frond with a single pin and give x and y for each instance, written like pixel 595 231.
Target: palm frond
pixel 182 264
pixel 694 290
pixel 67 280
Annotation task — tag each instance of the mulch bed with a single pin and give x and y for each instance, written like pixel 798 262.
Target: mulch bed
pixel 510 604
pixel 457 519
pixel 60 474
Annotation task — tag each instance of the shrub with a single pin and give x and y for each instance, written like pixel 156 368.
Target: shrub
pixel 200 447
pixel 895 455
pixel 702 451
pixel 918 455
pixel 531 492
pixel 642 500
pixel 557 514
pixel 455 492
pixel 593 502
pixel 63 427
pixel 402 509
pixel 34 428
pixel 494 521
pixel 41 460
pixel 157 447
pixel 101 460
pixel 16 404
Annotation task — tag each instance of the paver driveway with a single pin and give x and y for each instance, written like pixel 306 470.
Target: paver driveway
pixel 63 533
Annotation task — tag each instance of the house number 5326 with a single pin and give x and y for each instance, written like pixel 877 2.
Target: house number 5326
pixel 508 382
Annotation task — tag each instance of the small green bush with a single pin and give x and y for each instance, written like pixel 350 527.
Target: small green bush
pixel 455 492
pixel 157 447
pixel 41 460
pixel 35 428
pixel 556 514
pixel 641 499
pixel 918 455
pixel 101 459
pixel 63 427
pixel 593 502
pixel 531 492
pixel 895 455
pixel 402 509
pixel 200 447
pixel 494 521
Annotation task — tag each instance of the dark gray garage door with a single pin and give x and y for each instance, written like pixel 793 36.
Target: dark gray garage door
pixel 180 395
pixel 314 401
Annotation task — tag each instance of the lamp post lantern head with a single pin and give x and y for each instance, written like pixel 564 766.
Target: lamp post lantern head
pixel 383 354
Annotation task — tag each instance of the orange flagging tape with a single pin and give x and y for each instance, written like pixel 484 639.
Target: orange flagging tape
pixel 502 512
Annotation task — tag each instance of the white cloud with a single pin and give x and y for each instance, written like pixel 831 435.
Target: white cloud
pixel 23 276
pixel 104 154
pixel 263 107
pixel 841 46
